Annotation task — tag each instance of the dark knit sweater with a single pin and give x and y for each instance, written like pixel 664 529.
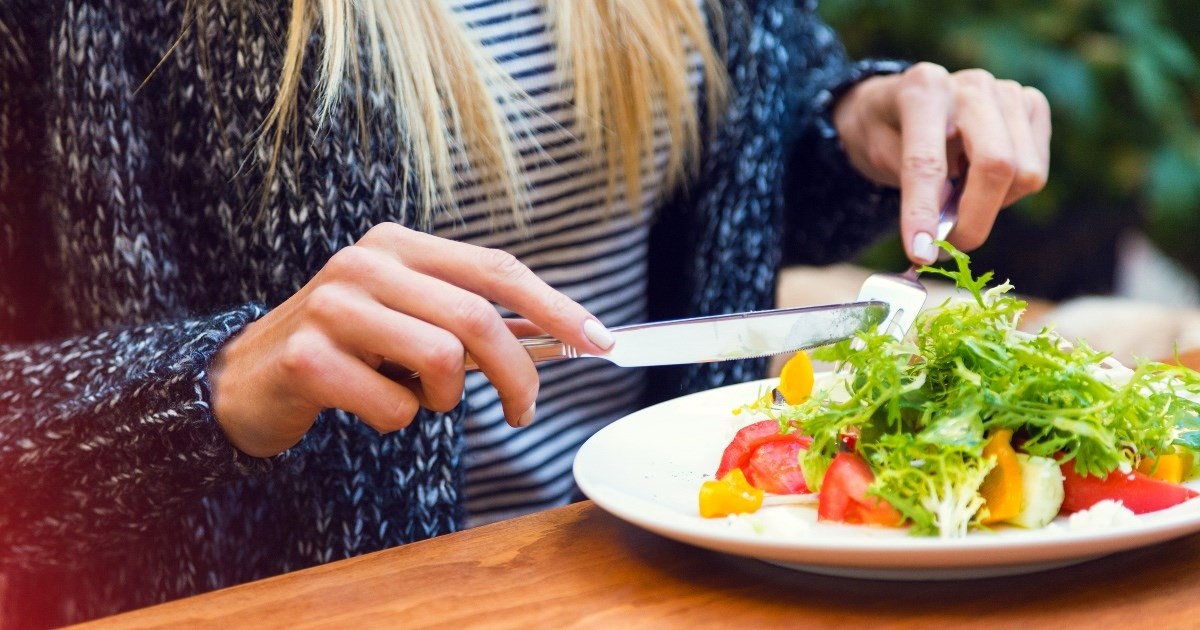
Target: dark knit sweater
pixel 132 247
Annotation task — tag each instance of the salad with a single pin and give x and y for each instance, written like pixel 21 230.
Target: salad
pixel 966 424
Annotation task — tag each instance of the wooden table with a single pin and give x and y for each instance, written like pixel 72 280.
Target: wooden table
pixel 578 566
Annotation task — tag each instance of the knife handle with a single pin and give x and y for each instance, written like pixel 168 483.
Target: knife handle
pixel 540 349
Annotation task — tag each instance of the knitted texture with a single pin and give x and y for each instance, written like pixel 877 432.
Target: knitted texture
pixel 132 245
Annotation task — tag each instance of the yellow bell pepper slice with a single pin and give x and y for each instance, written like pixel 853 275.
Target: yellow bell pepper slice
pixel 796 378
pixel 731 494
pixel 1002 490
pixel 1169 467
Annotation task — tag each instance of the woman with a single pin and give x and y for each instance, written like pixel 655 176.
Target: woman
pixel 221 236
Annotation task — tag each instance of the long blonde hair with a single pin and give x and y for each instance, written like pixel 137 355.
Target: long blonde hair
pixel 626 63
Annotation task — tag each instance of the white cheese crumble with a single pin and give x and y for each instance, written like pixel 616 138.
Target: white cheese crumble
pixel 776 521
pixel 1105 514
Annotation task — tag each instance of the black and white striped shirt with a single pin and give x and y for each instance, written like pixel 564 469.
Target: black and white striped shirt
pixel 579 243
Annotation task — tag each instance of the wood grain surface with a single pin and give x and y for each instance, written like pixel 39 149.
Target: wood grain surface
pixel 580 567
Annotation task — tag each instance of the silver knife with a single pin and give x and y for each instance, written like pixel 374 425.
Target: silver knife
pixel 721 337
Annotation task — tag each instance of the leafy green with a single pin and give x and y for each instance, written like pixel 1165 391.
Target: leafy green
pixel 921 407
pixel 1188 433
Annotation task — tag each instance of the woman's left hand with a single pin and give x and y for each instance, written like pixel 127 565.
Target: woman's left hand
pixel 913 129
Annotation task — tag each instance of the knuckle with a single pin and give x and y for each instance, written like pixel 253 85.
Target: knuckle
pixel 926 74
pixel 328 303
pixel 499 263
pixel 975 77
pixel 1035 99
pixel 353 262
pixel 925 165
pixel 386 231
pixel 300 358
pixel 475 316
pixel 1011 89
pixel 995 166
pixel 1031 181
pixel 921 81
pixel 561 308
pixel 442 355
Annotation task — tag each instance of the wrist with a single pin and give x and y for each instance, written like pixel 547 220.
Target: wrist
pixel 240 407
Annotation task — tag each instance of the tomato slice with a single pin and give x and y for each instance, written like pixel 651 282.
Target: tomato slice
pixel 749 438
pixel 775 467
pixel 1139 493
pixel 844 499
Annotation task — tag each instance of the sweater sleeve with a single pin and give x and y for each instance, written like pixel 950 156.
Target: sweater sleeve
pixel 832 211
pixel 105 434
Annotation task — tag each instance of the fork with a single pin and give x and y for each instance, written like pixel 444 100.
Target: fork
pixel 903 291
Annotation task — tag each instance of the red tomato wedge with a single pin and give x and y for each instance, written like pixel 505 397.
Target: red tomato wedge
pixel 775 467
pixel 1139 493
pixel 844 499
pixel 749 438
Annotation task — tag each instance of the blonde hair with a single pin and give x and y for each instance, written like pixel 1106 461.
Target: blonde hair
pixel 627 64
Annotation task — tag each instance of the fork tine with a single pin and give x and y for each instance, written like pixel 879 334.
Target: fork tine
pixel 904 296
pixel 903 292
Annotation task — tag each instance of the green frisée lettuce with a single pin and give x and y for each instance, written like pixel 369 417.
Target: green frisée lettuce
pixel 920 409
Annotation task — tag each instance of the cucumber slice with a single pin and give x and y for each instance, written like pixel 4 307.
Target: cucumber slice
pixel 1042 483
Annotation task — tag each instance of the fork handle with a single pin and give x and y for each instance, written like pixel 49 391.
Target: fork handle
pixel 949 214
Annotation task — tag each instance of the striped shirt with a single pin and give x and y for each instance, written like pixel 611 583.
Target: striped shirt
pixel 589 249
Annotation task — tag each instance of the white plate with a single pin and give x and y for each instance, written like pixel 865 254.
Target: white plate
pixel 647 469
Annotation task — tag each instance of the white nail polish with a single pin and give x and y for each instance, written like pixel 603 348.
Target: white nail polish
pixel 598 334
pixel 526 418
pixel 923 247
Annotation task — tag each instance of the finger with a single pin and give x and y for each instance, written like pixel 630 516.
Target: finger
pixel 472 320
pixel 364 328
pixel 1038 110
pixel 501 278
pixel 1030 174
pixel 523 327
pixel 924 113
pixel 341 381
pixel 468 317
pixel 884 155
pixel 483 333
pixel 989 150
pixel 868 128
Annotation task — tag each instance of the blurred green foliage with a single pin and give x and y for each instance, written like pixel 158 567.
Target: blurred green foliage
pixel 1123 80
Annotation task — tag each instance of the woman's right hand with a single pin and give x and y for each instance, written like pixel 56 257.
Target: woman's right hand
pixel 401 295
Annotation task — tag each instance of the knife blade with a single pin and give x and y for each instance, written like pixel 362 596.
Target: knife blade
pixel 721 337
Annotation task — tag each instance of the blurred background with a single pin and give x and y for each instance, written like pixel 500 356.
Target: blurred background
pixel 1121 212
pixel 1109 253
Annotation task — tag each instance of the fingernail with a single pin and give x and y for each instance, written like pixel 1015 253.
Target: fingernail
pixel 598 334
pixel 526 418
pixel 923 248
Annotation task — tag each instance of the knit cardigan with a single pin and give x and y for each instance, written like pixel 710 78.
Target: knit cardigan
pixel 132 245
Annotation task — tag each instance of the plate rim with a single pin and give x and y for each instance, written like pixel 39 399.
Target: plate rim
pixel 882 552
